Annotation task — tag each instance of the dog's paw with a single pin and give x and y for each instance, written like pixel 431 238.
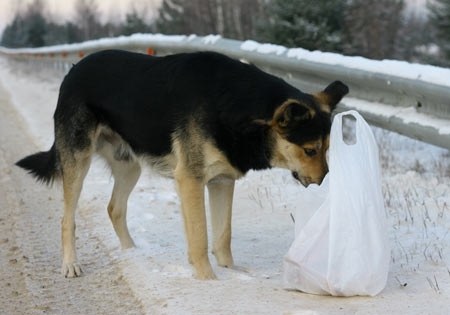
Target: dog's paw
pixel 242 269
pixel 204 272
pixel 205 275
pixel 224 258
pixel 71 270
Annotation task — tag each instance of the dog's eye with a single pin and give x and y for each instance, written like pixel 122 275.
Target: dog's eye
pixel 310 152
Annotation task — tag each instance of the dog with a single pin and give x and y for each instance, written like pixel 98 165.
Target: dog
pixel 201 118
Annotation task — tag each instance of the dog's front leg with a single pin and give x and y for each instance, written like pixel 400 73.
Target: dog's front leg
pixel 221 201
pixel 191 191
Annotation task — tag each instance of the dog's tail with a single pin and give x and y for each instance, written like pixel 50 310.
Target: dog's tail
pixel 44 166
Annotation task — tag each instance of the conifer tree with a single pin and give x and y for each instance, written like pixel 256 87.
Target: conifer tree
pixel 170 19
pixel 36 24
pixel 304 23
pixel 440 19
pixel 372 28
pixel 134 24
pixel 28 28
pixel 14 34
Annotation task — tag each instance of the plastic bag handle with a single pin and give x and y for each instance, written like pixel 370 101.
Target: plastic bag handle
pixel 338 125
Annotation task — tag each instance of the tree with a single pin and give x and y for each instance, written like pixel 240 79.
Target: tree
pixel 440 19
pixel 190 17
pixel 229 18
pixel 14 34
pixel 86 18
pixel 134 24
pixel 28 28
pixel 170 20
pixel 303 23
pixel 72 32
pixel 36 24
pixel 372 28
pixel 241 17
pixel 55 34
pixel 415 39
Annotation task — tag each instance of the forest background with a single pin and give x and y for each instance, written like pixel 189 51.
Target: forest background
pixel 382 29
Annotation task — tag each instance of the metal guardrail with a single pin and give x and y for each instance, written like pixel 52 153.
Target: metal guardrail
pixel 410 105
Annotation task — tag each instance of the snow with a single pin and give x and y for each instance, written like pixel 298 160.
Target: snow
pixel 403 69
pixel 211 39
pixel 251 45
pixel 104 43
pixel 416 186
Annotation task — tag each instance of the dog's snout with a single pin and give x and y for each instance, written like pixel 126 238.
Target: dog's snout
pixel 306 180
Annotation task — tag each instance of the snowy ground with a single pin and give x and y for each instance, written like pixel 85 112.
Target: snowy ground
pixel 155 278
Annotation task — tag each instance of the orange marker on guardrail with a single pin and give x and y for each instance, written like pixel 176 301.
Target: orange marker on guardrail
pixel 150 51
pixel 80 54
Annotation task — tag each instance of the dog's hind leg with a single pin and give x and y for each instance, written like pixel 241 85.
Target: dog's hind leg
pixel 126 175
pixel 76 129
pixel 126 171
pixel 220 201
pixel 74 172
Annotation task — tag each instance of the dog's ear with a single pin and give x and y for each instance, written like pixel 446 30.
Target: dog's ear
pixel 289 114
pixel 331 96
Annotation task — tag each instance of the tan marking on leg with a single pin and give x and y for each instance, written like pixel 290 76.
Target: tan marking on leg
pixel 189 178
pixel 199 161
pixel 126 171
pixel 216 164
pixel 221 201
pixel 126 175
pixel 73 177
pixel 191 191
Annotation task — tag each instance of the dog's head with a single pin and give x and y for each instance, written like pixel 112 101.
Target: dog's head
pixel 301 128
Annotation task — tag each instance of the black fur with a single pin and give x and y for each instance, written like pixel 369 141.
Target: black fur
pixel 44 166
pixel 146 99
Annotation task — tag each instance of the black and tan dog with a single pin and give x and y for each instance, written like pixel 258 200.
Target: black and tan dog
pixel 201 118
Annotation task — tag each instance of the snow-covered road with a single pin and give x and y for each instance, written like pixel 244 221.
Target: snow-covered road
pixel 155 278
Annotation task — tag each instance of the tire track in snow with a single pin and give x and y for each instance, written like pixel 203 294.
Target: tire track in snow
pixel 30 242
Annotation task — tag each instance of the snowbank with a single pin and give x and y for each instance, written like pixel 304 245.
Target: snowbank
pixel 416 186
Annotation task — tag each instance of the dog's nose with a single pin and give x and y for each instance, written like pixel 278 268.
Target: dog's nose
pixel 305 180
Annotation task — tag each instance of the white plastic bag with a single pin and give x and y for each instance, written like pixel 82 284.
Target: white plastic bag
pixel 343 248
